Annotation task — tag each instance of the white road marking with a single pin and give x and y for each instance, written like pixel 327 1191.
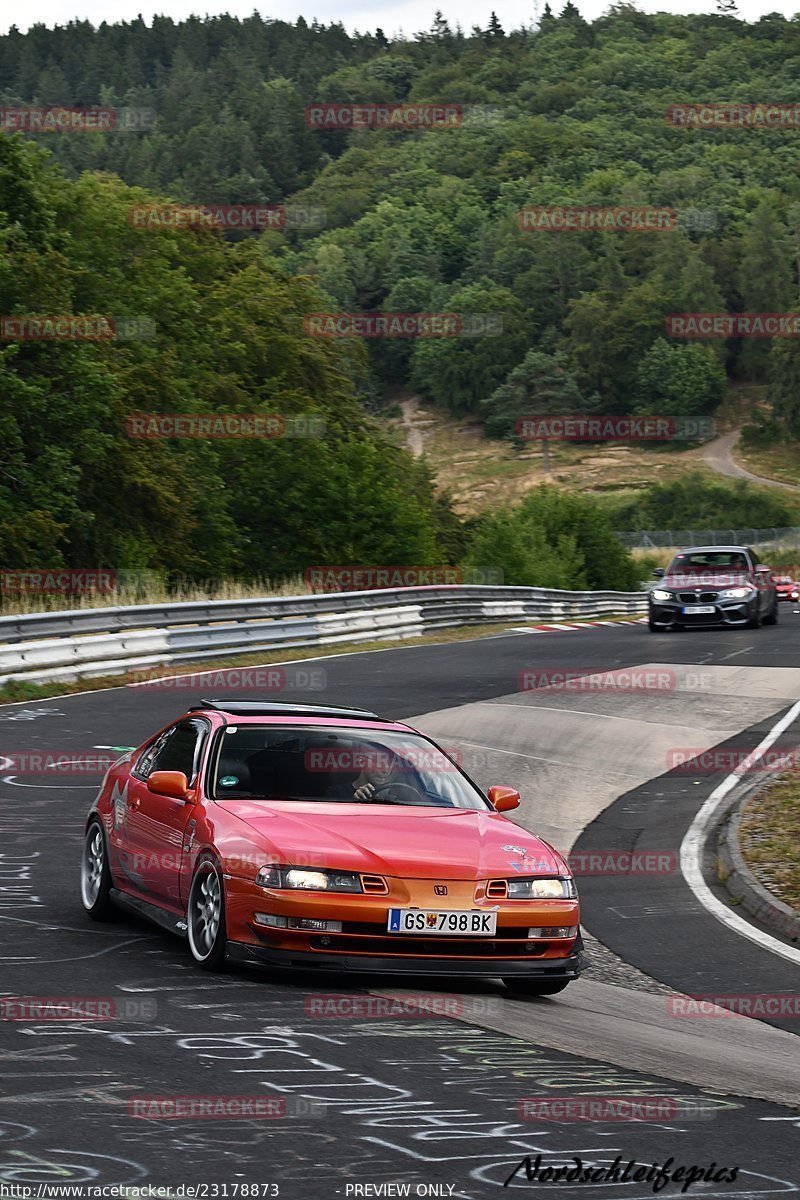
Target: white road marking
pixel 692 849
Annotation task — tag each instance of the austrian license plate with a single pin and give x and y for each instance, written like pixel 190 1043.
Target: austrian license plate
pixel 699 608
pixel 460 923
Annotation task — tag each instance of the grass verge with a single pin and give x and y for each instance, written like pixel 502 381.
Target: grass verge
pixel 769 834
pixel 780 462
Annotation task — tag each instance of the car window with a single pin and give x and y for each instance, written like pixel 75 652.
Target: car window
pixel 709 561
pixel 144 766
pixel 178 749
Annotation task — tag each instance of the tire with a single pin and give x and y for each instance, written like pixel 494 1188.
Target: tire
pixel 536 987
pixel 755 622
pixel 651 625
pixel 772 619
pixel 96 882
pixel 205 917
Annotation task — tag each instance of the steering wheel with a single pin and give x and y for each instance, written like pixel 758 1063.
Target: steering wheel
pixel 416 796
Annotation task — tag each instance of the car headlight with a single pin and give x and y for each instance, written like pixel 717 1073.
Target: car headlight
pixel 562 888
pixel 737 593
pixel 660 594
pixel 300 879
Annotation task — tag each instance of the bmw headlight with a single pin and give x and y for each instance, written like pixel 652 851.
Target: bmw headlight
pixel 660 594
pixel 737 593
pixel 560 888
pixel 301 879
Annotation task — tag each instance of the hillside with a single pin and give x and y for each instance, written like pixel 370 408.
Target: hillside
pixel 569 115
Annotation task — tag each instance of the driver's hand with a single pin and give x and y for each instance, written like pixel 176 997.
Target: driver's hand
pixel 365 792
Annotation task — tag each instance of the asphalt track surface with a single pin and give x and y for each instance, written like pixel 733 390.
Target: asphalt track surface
pixel 429 1102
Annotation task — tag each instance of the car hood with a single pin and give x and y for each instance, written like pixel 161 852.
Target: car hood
pixel 708 579
pixel 416 844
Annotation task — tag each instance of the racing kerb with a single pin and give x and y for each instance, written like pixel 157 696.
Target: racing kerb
pixel 86 643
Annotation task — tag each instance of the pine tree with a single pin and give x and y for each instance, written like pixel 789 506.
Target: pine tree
pixel 495 30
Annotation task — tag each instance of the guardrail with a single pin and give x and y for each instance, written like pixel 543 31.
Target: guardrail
pixel 86 643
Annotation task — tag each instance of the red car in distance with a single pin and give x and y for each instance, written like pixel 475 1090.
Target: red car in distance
pixel 787 587
pixel 302 836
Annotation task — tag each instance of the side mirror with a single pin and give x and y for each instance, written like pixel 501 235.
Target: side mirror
pixel 503 798
pixel 172 784
pixel 658 572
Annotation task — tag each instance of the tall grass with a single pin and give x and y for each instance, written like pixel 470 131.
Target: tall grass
pixel 150 587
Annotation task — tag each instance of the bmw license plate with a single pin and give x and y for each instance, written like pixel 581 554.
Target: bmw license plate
pixel 461 923
pixel 698 608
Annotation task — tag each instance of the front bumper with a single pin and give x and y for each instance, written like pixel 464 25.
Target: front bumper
pixel 544 969
pixel 363 943
pixel 670 613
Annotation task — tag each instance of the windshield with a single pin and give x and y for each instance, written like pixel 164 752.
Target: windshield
pixel 294 763
pixel 709 562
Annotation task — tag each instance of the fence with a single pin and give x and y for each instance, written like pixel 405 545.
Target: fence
pixel 645 539
pixel 108 641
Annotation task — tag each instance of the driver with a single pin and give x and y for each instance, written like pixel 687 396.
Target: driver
pixel 370 782
pixel 383 771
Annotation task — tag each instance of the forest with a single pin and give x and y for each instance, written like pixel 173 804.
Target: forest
pixel 562 114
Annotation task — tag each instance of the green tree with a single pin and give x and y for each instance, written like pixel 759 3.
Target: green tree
pixel 678 380
pixel 543 383
pixel 766 279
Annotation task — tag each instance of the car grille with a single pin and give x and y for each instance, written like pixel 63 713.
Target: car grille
pixel 698 597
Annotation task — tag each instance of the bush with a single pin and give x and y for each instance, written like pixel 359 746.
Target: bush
pixel 695 502
pixel 553 539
